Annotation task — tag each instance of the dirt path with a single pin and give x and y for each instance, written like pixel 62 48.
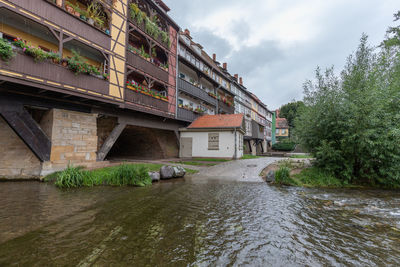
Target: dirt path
pixel 247 170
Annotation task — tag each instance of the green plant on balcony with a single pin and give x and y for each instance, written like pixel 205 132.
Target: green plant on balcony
pixel 199 110
pixel 6 51
pixel 165 66
pixel 144 54
pixel 78 64
pixel 95 14
pixel 55 57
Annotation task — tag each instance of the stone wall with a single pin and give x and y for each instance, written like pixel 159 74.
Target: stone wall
pixel 16 159
pixel 74 140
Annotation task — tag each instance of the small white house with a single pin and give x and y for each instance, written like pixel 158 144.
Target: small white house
pixel 213 136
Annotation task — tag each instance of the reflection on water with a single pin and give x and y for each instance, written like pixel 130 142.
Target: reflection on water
pixel 192 223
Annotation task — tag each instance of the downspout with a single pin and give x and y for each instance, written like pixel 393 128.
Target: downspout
pixel 176 74
pixel 235 154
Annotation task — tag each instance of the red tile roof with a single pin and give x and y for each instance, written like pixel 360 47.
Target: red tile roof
pixel 218 121
pixel 281 123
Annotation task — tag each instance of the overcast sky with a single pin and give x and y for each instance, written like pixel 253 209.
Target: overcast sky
pixel 277 44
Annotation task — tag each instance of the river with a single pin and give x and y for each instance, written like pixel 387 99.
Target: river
pixel 197 223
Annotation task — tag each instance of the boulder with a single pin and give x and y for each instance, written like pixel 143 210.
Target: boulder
pixel 167 172
pixel 179 172
pixel 155 176
pixel 270 177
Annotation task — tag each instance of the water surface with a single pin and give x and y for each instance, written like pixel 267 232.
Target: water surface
pixel 193 223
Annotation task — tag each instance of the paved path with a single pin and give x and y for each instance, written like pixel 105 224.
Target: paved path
pixel 247 170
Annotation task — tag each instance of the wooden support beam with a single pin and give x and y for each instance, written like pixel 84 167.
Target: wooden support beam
pixel 27 129
pixel 110 141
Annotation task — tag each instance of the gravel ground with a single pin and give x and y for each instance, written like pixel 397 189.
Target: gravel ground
pixel 247 170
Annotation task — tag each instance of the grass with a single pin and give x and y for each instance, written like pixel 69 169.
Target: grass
pixel 210 159
pixel 250 157
pixel 300 156
pixel 193 163
pixel 122 175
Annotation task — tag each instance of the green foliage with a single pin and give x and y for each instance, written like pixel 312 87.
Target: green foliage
pixel 71 177
pixel 393 34
pixel 79 65
pixel 210 159
pixel 351 123
pixel 289 111
pixel 282 176
pixel 284 146
pixel 247 156
pixel 6 51
pixel 316 177
pixel 127 174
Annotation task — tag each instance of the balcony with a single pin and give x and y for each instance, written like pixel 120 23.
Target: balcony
pixel 187 115
pixel 257 130
pixel 195 91
pixel 146 100
pixel 142 28
pixel 147 67
pixel 225 108
pixel 48 74
pixel 58 16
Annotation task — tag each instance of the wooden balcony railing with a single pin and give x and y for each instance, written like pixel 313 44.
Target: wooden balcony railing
pixel 147 67
pixel 145 100
pixel 225 108
pixel 142 28
pixel 53 75
pixel 58 16
pixel 195 91
pixel 187 115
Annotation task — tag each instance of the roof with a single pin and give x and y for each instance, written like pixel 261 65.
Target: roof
pixel 281 123
pixel 218 121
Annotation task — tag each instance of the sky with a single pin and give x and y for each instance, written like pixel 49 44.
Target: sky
pixel 276 45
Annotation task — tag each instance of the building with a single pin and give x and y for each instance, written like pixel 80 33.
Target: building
pixel 89 80
pixel 92 80
pixel 202 86
pixel 215 136
pixel 281 127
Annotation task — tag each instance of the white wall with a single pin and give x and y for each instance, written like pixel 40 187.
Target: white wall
pixel 226 144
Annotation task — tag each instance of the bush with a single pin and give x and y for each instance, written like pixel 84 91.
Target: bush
pixel 284 146
pixel 6 51
pixel 282 176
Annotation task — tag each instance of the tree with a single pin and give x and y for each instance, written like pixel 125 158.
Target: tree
pixel 289 111
pixel 393 34
pixel 351 122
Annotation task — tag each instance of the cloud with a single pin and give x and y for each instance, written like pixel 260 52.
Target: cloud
pixel 277 44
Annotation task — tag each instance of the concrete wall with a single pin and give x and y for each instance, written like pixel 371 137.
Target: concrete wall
pixel 16 160
pixel 226 144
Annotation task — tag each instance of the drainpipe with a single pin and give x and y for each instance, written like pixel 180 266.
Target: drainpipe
pixel 176 75
pixel 235 154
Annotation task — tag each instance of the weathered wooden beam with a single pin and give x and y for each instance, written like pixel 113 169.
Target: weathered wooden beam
pixel 110 141
pixel 28 130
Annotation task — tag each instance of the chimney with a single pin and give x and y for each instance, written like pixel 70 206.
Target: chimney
pixel 241 81
pixel 187 32
pixel 236 77
pixel 214 57
pixel 225 66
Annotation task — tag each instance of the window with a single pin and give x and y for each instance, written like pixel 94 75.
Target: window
pixel 277 131
pixel 213 141
pixel 182 76
pixel 180 102
pixel 283 131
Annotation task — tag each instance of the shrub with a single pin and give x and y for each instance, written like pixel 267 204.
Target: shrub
pixel 284 146
pixel 6 51
pixel 318 177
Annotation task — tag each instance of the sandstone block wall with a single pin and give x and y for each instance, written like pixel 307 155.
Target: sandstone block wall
pixel 17 161
pixel 74 139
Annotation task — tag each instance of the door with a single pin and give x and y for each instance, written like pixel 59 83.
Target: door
pixel 186 147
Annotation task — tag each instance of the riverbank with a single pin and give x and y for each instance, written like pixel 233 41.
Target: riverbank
pixel 300 172
pixel 124 174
